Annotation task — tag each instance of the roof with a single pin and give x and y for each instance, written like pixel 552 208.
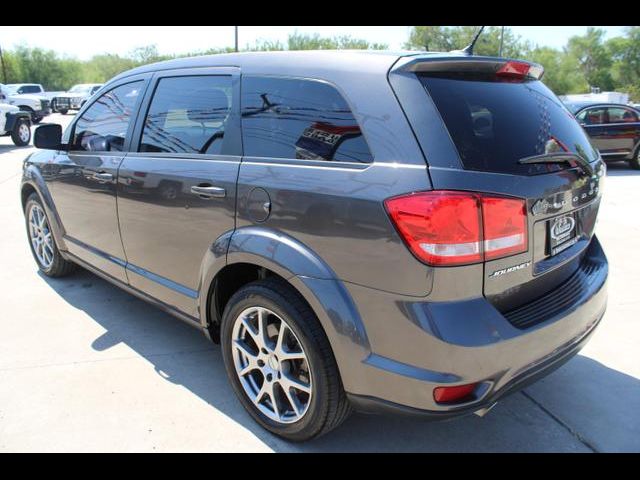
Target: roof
pixel 291 62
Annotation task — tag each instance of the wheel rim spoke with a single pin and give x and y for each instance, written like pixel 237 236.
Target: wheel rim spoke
pixel 271 365
pixel 40 236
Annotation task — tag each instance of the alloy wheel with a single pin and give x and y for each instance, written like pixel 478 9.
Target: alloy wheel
pixel 40 236
pixel 271 365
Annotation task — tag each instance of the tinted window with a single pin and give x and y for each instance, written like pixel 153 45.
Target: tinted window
pixel 494 124
pixel 593 116
pixel 103 126
pixel 304 119
pixel 188 115
pixel 621 115
pixel 29 89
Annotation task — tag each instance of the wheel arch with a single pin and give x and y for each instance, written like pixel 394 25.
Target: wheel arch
pixel 256 252
pixel 34 183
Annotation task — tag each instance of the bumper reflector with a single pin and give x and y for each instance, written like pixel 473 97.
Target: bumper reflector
pixel 455 394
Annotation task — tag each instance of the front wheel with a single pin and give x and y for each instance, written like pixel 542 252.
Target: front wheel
pixel 21 134
pixel 41 241
pixel 36 119
pixel 279 362
pixel 635 161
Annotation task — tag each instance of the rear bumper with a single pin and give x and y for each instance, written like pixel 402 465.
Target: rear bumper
pixel 417 346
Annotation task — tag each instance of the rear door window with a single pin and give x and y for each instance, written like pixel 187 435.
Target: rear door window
pixel 299 119
pixel 493 124
pixel 188 115
pixel 621 115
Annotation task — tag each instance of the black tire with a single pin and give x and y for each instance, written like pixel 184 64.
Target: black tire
pixel 63 111
pixel 328 405
pixel 15 133
pixel 35 119
pixel 635 161
pixel 59 266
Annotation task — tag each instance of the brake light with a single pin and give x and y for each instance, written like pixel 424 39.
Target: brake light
pixel 456 228
pixel 514 70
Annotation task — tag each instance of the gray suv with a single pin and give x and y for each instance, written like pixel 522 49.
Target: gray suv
pixel 371 231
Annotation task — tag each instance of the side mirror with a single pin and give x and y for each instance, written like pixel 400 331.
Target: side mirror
pixel 48 137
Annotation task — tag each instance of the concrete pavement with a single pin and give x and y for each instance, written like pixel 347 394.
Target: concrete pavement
pixel 87 367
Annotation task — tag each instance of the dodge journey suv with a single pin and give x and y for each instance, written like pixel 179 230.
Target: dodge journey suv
pixel 359 231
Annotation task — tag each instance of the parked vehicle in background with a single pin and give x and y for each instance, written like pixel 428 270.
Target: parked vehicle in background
pixel 36 105
pixel 15 123
pixel 425 244
pixel 75 97
pixel 600 97
pixel 614 129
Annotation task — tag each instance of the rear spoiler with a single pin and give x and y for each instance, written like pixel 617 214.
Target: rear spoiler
pixel 501 67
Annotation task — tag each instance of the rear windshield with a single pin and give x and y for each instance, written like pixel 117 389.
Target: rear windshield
pixel 494 124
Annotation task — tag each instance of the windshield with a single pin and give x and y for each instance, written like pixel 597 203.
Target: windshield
pixel 80 89
pixel 493 124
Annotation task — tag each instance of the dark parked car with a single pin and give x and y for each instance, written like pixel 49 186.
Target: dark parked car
pixel 614 129
pixel 367 231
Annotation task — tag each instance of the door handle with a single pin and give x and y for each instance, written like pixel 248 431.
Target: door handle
pixel 103 176
pixel 208 191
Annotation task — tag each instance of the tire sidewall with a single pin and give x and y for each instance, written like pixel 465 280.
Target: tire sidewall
pixel 251 296
pixel 16 133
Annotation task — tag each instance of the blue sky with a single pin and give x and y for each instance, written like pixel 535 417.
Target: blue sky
pixel 85 41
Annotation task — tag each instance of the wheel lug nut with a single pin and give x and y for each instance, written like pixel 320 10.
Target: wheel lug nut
pixel 260 363
pixel 269 377
pixel 264 350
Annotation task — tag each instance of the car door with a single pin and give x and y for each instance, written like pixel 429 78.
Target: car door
pixel 622 130
pixel 176 193
pixel 594 121
pixel 83 180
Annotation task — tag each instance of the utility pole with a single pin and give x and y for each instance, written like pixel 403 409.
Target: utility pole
pixel 501 41
pixel 236 32
pixel 4 70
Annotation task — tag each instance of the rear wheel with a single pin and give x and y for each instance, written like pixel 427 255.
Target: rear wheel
pixel 279 362
pixel 41 241
pixel 63 111
pixel 21 134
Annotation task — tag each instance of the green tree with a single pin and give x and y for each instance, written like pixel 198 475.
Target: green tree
pixel 593 58
pixel 445 39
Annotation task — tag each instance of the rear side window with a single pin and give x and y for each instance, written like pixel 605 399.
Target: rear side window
pixel 103 126
pixel 299 119
pixel 493 124
pixel 621 115
pixel 188 115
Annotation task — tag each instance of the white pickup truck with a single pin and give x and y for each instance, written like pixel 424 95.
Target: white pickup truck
pixel 29 97
pixel 16 123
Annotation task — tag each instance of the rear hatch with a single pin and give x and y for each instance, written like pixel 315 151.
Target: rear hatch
pixel 501 131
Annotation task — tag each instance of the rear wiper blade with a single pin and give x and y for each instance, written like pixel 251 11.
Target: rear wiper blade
pixel 559 157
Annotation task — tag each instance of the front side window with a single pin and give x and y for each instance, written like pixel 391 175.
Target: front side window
pixel 188 115
pixel 103 126
pixel 29 89
pixel 299 119
pixel 593 116
pixel 621 115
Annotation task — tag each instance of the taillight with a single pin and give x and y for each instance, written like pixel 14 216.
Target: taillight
pixel 457 228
